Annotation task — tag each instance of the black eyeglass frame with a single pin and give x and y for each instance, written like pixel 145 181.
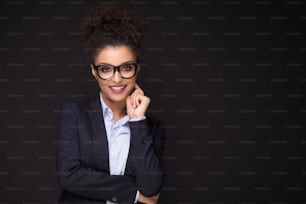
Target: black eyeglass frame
pixel 116 68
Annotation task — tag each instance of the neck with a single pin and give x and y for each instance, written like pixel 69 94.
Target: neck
pixel 118 108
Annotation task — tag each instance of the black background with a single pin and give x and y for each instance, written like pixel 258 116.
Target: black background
pixel 226 77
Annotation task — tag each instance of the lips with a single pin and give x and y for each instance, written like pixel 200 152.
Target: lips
pixel 117 89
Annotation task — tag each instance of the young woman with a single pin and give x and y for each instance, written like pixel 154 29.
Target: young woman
pixel 109 151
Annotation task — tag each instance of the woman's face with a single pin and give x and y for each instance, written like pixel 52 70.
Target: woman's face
pixel 115 89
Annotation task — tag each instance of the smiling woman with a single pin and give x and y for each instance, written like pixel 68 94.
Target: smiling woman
pixel 109 150
pixel 115 89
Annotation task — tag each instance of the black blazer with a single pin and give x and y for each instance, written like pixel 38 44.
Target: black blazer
pixel 83 163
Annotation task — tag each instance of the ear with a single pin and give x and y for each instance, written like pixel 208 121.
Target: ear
pixel 138 68
pixel 93 71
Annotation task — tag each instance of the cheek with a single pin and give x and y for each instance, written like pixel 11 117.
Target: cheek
pixel 132 82
pixel 102 83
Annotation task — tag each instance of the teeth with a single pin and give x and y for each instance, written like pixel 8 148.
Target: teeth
pixel 117 87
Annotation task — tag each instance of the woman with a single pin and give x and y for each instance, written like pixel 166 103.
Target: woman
pixel 109 151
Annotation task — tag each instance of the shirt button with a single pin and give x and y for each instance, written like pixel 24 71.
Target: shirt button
pixel 114 199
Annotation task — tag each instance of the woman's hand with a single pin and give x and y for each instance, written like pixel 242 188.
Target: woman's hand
pixel 137 103
pixel 148 200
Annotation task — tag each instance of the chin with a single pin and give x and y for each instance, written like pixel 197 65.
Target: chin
pixel 116 98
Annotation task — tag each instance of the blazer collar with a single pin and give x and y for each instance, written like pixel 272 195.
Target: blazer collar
pixel 94 103
pixel 98 127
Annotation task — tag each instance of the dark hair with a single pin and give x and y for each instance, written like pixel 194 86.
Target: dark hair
pixel 114 24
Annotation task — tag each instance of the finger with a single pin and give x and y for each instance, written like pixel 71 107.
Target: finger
pixel 144 101
pixel 128 102
pixel 134 102
pixel 137 100
pixel 133 99
pixel 137 87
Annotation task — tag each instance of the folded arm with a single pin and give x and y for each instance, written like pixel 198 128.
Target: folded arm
pixel 88 182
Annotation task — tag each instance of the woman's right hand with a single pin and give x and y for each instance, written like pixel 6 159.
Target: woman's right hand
pixel 148 200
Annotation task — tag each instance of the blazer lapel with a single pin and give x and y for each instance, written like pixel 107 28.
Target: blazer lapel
pixel 98 127
pixel 129 165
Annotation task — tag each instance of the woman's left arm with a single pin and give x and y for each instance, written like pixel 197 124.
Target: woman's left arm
pixel 147 142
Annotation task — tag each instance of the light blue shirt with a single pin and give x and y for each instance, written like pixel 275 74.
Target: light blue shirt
pixel 118 136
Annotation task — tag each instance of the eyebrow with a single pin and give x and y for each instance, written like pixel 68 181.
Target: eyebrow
pixel 126 62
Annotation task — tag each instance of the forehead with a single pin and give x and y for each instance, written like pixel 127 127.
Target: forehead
pixel 115 55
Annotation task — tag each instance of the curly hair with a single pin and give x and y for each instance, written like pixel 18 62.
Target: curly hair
pixel 114 24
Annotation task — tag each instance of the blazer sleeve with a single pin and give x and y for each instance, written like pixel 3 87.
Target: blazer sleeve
pixel 147 143
pixel 86 182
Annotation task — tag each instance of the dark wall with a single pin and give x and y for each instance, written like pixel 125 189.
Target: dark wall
pixel 227 78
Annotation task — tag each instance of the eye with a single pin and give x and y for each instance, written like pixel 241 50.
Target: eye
pixel 105 68
pixel 127 67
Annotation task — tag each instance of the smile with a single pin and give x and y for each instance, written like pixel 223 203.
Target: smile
pixel 117 89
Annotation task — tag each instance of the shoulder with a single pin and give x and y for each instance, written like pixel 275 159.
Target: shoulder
pixel 75 105
pixel 83 103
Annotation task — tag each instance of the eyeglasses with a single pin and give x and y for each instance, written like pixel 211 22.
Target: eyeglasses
pixel 107 71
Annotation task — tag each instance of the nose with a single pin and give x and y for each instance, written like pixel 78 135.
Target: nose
pixel 117 78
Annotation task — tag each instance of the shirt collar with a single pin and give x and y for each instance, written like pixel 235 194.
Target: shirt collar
pixel 108 113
